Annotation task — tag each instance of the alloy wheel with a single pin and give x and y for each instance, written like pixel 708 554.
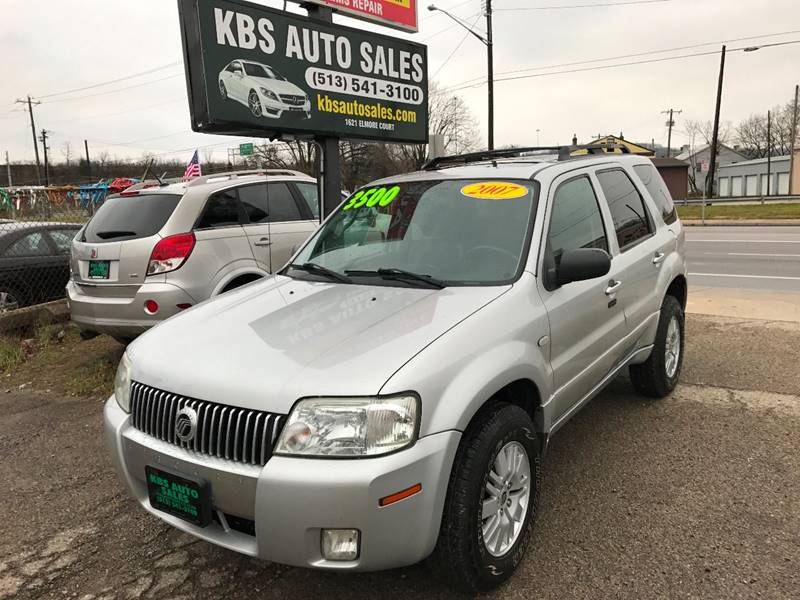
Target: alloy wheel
pixel 8 301
pixel 505 499
pixel 255 104
pixel 672 347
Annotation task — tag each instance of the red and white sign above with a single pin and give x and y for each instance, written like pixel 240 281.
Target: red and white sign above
pixel 400 14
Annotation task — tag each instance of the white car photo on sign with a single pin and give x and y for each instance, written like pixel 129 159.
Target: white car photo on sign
pixel 263 90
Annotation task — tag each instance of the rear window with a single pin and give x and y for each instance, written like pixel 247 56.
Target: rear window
pixel 130 217
pixel 658 190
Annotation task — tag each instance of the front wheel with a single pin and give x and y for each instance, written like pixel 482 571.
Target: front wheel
pixel 491 501
pixel 254 103
pixel 659 374
pixel 223 91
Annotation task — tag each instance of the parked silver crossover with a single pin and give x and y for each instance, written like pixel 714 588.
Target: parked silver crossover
pixel 389 395
pixel 152 252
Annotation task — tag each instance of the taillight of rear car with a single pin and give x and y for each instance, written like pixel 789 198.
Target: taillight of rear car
pixel 170 253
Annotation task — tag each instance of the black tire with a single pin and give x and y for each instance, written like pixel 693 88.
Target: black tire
pixel 223 91
pixel 461 557
pixel 11 298
pixel 254 102
pixel 123 340
pixel 651 378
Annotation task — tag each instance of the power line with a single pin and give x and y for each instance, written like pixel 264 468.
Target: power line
pixel 461 43
pixel 571 6
pixel 110 81
pixel 114 114
pixel 640 62
pixel 479 80
pixel 122 89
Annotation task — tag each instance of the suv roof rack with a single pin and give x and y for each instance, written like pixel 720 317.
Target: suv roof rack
pixel 228 175
pixel 564 153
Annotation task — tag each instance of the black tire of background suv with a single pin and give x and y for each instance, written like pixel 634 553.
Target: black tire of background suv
pixel 650 377
pixel 460 558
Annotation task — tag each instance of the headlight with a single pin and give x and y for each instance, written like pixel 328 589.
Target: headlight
pixel 122 384
pixel 270 95
pixel 350 427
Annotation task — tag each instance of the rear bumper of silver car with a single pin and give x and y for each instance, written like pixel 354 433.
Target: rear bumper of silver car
pixel 126 316
pixel 277 512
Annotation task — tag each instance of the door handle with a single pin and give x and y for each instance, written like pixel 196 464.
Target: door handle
pixel 658 258
pixel 262 242
pixel 613 286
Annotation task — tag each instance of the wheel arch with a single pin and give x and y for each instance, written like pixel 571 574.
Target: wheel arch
pixel 238 281
pixel 679 289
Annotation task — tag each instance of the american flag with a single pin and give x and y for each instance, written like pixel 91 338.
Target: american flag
pixel 193 168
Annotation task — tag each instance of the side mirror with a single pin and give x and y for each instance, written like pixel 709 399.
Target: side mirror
pixel 582 264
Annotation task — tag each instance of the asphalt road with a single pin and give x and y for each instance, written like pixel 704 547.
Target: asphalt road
pixel 763 258
pixel 693 496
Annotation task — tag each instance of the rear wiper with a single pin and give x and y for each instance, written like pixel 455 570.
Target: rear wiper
pixel 105 235
pixel 401 274
pixel 316 269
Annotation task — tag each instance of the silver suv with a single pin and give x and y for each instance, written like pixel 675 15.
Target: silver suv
pixel 151 252
pixel 390 395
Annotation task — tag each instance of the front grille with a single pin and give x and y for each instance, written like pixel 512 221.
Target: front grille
pixel 293 100
pixel 238 434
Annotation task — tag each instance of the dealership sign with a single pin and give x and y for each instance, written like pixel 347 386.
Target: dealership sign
pixel 401 14
pixel 253 70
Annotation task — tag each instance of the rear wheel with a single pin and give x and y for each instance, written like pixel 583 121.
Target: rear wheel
pixel 10 298
pixel 659 374
pixel 491 501
pixel 254 103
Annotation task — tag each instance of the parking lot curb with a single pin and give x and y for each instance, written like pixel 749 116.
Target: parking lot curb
pixel 49 312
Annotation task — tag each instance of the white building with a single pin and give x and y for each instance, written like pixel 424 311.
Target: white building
pixel 749 178
pixel 699 162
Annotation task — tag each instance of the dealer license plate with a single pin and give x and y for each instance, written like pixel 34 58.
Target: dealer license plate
pixel 188 498
pixel 98 269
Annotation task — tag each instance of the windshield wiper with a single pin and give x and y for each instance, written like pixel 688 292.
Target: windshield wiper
pixel 316 269
pixel 106 235
pixel 401 274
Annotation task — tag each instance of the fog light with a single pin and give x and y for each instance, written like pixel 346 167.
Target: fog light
pixel 151 307
pixel 340 544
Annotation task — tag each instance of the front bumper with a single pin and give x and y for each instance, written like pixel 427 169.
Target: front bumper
pixel 124 317
pixel 290 500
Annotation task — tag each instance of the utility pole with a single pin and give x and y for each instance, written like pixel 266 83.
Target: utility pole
pixel 670 125
pixel 88 162
pixel 769 150
pixel 712 167
pixel 490 69
pixel 327 155
pixel 792 142
pixel 46 165
pixel 30 104
pixel 8 171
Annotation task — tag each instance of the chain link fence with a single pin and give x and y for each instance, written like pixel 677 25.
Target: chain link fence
pixel 37 225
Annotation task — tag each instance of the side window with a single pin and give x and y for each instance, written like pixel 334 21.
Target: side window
pixel 254 202
pixel 62 239
pixel 222 210
pixel 310 195
pixel 32 244
pixel 627 207
pixel 575 221
pixel 269 203
pixel 658 190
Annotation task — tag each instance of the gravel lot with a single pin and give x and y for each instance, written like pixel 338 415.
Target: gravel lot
pixel 694 496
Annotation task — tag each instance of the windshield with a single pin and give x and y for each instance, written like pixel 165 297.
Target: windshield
pixel 458 232
pixel 130 217
pixel 255 70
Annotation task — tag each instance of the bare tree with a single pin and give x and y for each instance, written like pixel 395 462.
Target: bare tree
pixel 751 133
pixel 208 155
pixel 102 158
pixel 450 117
pixel 66 151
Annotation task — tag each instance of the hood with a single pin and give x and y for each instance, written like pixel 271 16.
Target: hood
pixel 278 86
pixel 267 345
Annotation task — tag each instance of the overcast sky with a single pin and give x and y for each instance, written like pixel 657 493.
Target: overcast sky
pixel 49 47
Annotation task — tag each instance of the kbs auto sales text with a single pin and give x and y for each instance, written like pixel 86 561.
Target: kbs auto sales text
pixel 240 30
